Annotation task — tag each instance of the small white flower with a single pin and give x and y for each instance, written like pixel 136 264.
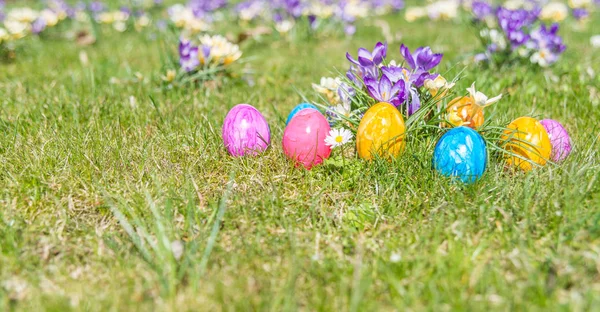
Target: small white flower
pixel 443 10
pixel 414 13
pixel 595 41
pixel 343 109
pixel 541 58
pixel 338 137
pixel 576 4
pixel 482 99
pixel 284 26
pixel 328 87
pixel 554 11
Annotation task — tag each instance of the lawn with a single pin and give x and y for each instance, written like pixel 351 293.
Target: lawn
pixel 117 194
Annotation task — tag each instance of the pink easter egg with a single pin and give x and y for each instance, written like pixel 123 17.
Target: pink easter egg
pixel 559 138
pixel 245 131
pixel 304 138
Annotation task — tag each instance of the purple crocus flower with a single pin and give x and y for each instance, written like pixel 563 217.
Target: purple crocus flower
pixel 397 5
pixel 514 23
pixel 312 19
pixel 38 26
pixel 293 7
pixel 125 10
pixel 385 91
pixel 346 93
pixel 188 55
pixel 358 73
pixel 548 40
pixel 580 13
pixel 349 29
pixel 423 58
pixel 366 58
pixel 201 8
pixel 96 7
pixel 205 52
pixel 413 101
pixel 410 81
pixel 481 9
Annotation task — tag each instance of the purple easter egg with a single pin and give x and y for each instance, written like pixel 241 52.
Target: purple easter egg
pixel 245 131
pixel 559 138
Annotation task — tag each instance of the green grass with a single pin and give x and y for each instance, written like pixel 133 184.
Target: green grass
pixel 97 183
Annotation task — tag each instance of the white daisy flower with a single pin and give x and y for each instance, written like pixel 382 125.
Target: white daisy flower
pixel 338 137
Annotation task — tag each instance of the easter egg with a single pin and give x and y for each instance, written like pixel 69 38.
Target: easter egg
pixel 462 111
pixel 381 132
pixel 304 138
pixel 461 153
pixel 559 139
pixel 527 139
pixel 297 109
pixel 245 131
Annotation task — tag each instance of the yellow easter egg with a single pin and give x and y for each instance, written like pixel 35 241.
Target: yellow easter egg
pixel 381 132
pixel 527 138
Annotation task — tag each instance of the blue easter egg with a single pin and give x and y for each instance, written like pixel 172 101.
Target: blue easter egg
pixel 297 109
pixel 461 153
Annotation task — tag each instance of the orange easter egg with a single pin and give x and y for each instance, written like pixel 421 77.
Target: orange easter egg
pixel 381 132
pixel 462 111
pixel 527 138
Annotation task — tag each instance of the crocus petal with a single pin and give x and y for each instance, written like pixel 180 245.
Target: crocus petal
pixel 397 87
pixel 435 60
pixel 362 52
pixel 351 59
pixel 385 88
pixel 407 56
pixel 379 53
pixel 415 102
pixel 374 93
pixel 365 61
pixel 393 73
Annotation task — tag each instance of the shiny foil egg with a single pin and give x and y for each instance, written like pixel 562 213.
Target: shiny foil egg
pixel 381 132
pixel 461 153
pixel 304 138
pixel 297 109
pixel 527 139
pixel 559 138
pixel 462 111
pixel 245 131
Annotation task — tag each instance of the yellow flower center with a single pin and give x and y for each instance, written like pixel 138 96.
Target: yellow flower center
pixel 339 139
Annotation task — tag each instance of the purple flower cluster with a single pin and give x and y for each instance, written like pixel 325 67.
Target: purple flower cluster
pixel 2 4
pixel 548 42
pixel 188 55
pixel 580 13
pixel 520 31
pixel 343 11
pixel 389 82
pixel 516 23
pixel 202 8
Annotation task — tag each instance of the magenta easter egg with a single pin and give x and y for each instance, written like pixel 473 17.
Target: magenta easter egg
pixel 559 139
pixel 304 138
pixel 245 131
